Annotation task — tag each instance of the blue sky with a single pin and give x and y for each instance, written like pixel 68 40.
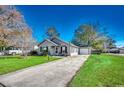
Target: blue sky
pixel 67 18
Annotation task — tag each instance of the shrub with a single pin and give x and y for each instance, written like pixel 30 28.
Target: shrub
pixel 33 53
pixel 96 52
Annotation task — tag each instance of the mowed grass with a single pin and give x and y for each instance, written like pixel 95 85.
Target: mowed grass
pixel 13 63
pixel 100 70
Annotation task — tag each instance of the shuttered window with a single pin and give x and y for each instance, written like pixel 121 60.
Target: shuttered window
pixel 40 49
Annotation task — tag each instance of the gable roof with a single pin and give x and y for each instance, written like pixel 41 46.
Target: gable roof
pixel 48 41
pixel 57 42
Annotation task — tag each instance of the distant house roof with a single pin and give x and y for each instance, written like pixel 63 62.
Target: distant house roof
pixel 58 42
pixel 122 48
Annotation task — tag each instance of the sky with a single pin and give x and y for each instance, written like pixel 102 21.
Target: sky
pixel 67 18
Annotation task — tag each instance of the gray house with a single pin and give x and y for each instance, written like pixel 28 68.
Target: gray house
pixel 121 50
pixel 57 47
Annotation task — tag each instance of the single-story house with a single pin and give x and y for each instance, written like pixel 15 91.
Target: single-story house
pixel 57 47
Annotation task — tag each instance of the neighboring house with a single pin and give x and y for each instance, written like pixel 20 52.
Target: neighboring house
pixel 121 50
pixel 57 47
pixel 114 50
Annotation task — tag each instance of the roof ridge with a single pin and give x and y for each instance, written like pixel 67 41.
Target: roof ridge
pixel 66 42
pixel 60 40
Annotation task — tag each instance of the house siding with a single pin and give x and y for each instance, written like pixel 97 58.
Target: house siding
pixel 50 47
pixel 67 48
pixel 121 51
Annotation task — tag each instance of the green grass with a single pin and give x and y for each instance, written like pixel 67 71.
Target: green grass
pixel 13 63
pixel 100 70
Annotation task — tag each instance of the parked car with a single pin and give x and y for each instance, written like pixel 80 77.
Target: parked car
pixel 114 50
pixel 13 51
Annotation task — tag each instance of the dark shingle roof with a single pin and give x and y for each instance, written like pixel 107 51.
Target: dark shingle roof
pixel 57 41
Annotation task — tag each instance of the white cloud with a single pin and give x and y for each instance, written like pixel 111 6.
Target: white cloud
pixel 120 43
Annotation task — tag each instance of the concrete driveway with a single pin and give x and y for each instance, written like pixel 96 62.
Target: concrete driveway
pixel 52 74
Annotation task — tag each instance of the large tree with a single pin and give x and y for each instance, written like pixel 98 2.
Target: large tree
pixel 92 35
pixel 84 35
pixel 10 21
pixel 52 32
pixel 27 42
pixel 13 29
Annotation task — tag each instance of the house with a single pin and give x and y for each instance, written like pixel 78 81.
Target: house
pixel 57 47
pixel 121 50
pixel 114 50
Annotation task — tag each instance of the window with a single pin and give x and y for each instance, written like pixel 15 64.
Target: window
pixel 65 49
pixel 61 50
pixel 40 49
pixel 56 49
pixel 47 49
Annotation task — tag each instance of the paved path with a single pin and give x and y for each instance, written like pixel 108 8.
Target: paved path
pixel 52 74
pixel 120 54
pixel 117 54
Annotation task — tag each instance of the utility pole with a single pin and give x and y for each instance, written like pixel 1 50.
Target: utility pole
pixel 69 49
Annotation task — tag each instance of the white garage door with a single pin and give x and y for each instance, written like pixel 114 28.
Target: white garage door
pixel 84 51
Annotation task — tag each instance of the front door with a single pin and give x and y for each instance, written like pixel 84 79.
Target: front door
pixel 63 50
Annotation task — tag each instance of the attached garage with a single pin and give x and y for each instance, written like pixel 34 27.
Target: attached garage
pixel 84 50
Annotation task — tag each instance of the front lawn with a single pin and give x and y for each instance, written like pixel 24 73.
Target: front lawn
pixel 13 63
pixel 100 70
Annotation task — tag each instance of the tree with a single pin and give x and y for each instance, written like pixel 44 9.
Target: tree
pixel 27 42
pixel 92 35
pixel 10 20
pixel 4 37
pixel 52 33
pixel 13 29
pixel 110 42
pixel 84 35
